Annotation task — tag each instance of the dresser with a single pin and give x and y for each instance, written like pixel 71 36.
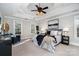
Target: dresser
pixel 5 47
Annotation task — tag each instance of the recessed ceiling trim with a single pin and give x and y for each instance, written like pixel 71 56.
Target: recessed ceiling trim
pixel 62 14
pixel 15 17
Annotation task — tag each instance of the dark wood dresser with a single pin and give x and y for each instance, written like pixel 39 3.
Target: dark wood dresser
pixel 5 48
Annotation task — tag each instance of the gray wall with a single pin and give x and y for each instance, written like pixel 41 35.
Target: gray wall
pixel 64 22
pixel 25 27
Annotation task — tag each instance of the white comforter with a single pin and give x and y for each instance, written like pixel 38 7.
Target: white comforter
pixel 35 40
pixel 58 38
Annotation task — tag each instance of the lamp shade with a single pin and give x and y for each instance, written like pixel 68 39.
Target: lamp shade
pixel 66 29
pixel 43 30
pixel 39 13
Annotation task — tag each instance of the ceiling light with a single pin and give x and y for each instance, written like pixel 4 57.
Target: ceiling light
pixel 39 13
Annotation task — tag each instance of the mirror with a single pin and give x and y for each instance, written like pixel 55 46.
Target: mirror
pixel 5 27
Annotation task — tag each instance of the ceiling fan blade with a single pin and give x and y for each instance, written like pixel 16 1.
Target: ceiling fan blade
pixel 44 12
pixel 36 6
pixel 34 10
pixel 45 8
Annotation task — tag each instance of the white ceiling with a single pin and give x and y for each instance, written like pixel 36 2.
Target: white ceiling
pixel 33 7
pixel 24 9
pixel 10 8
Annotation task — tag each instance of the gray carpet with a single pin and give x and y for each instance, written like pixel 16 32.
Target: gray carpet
pixel 29 49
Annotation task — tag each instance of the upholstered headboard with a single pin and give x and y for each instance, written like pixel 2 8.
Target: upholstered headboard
pixel 55 32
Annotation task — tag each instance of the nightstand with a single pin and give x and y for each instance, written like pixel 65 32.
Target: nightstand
pixel 65 40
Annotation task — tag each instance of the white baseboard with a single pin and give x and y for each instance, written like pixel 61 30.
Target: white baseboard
pixel 76 44
pixel 20 43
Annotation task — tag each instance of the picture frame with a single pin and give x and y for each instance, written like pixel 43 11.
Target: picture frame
pixel 53 24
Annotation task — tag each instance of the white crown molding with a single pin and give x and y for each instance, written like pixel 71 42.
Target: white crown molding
pixel 74 12
pixel 16 17
pixel 62 11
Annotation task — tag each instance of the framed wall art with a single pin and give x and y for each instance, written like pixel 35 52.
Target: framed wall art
pixel 53 24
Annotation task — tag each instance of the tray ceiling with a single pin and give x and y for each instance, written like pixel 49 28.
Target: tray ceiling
pixel 14 9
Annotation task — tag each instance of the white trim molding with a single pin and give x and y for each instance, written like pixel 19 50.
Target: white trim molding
pixel 76 44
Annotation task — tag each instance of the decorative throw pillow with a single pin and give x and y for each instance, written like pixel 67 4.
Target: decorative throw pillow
pixel 53 33
pixel 59 33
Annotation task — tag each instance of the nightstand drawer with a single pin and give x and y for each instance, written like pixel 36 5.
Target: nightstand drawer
pixel 65 40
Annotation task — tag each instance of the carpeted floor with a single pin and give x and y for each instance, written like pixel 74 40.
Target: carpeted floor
pixel 66 50
pixel 29 49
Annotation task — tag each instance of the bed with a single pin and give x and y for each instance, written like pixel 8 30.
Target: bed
pixel 55 33
pixel 37 39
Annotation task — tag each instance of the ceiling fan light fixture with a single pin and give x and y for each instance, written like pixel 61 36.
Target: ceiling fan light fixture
pixel 40 10
pixel 39 13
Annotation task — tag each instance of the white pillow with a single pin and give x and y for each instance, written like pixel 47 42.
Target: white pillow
pixel 59 33
pixel 53 33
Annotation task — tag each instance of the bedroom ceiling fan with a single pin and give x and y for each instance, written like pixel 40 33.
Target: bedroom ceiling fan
pixel 40 10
